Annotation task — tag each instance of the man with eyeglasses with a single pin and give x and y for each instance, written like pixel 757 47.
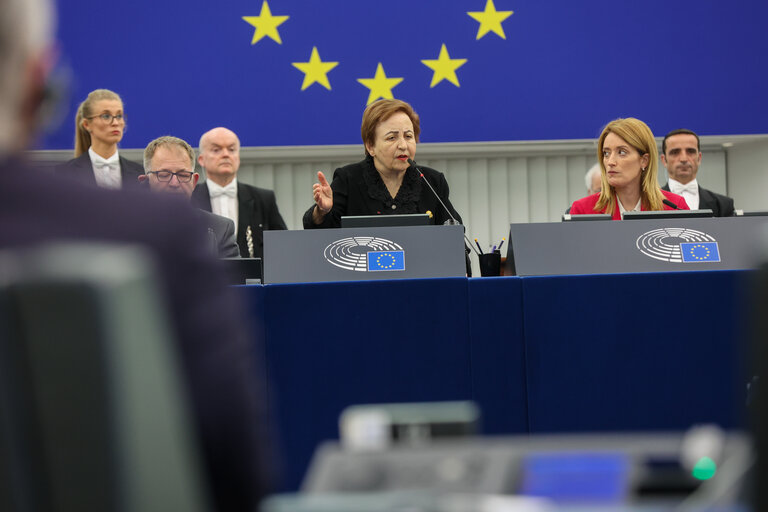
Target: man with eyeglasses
pixel 681 155
pixel 169 166
pixel 252 209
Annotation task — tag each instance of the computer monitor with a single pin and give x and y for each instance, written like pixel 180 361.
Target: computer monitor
pixel 755 213
pixel 567 217
pixel 668 214
pixel 383 221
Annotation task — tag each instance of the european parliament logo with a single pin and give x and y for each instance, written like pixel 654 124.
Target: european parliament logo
pixel 365 254
pixel 383 261
pixel 700 251
pixel 679 245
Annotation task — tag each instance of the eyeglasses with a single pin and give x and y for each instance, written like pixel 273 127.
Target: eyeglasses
pixel 107 118
pixel 182 176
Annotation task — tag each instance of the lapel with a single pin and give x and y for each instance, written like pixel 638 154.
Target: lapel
pixel 83 168
pixel 707 200
pixel 245 202
pixel 244 209
pixel 201 197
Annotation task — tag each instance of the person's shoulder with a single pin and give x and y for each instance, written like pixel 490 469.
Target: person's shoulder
pixel 720 197
pixel 212 219
pixel 675 198
pixel 254 191
pixel 352 169
pixel 430 172
pixel 585 204
pixel 75 163
pixel 131 166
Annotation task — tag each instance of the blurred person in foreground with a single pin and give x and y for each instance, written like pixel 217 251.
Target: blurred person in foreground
pixel 252 209
pixel 384 183
pixel 628 158
pixel 169 164
pixel 218 366
pixel 99 127
pixel 681 156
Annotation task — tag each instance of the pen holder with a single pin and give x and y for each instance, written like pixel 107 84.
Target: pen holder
pixel 490 264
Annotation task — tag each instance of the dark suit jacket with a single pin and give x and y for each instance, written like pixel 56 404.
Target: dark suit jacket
pixel 81 169
pixel 721 206
pixel 359 190
pixel 257 208
pixel 217 356
pixel 221 231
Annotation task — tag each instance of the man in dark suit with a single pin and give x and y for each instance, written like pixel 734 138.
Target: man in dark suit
pixel 252 209
pixel 681 155
pixel 170 169
pixel 217 361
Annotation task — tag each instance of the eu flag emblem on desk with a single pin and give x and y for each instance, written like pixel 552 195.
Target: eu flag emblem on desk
pixel 700 251
pixel 386 260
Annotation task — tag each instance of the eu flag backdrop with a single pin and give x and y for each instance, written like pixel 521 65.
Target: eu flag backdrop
pixel 296 72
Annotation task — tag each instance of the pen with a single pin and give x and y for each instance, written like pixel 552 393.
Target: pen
pixel 478 246
pixel 502 243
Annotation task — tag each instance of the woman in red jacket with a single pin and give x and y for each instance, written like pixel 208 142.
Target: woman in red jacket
pixel 629 163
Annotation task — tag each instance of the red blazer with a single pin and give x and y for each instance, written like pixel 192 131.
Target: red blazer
pixel 587 205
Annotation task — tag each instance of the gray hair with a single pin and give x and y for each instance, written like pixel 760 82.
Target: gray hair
pixel 167 141
pixel 595 169
pixel 26 28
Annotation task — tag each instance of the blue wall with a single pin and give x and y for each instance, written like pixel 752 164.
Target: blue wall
pixel 562 70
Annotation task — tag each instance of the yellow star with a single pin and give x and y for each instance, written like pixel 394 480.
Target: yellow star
pixel 266 24
pixel 490 20
pixel 315 70
pixel 444 67
pixel 380 85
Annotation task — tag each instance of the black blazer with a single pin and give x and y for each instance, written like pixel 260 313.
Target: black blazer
pixel 221 231
pixel 81 169
pixel 218 363
pixel 721 206
pixel 359 190
pixel 256 208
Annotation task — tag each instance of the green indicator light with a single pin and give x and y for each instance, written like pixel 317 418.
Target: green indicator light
pixel 704 469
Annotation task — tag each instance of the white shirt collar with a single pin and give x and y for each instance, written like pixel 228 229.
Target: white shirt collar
pixel 622 210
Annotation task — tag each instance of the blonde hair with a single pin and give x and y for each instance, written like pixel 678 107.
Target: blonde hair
pixel 82 137
pixel 637 134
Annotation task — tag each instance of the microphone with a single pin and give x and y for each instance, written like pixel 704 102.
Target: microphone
pixel 453 219
pixel 413 164
pixel 670 203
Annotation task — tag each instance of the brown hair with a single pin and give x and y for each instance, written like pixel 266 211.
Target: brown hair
pixel 380 111
pixel 637 134
pixel 82 137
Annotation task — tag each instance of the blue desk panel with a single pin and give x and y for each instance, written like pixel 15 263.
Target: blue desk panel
pixel 497 348
pixel 634 352
pixel 332 345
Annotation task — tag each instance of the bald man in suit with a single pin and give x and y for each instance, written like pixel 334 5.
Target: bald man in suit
pixel 253 209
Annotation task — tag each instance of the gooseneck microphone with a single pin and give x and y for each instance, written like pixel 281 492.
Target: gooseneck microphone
pixel 413 164
pixel 453 219
pixel 670 203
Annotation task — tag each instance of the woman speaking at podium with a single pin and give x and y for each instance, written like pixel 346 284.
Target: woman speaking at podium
pixel 385 182
pixel 629 163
